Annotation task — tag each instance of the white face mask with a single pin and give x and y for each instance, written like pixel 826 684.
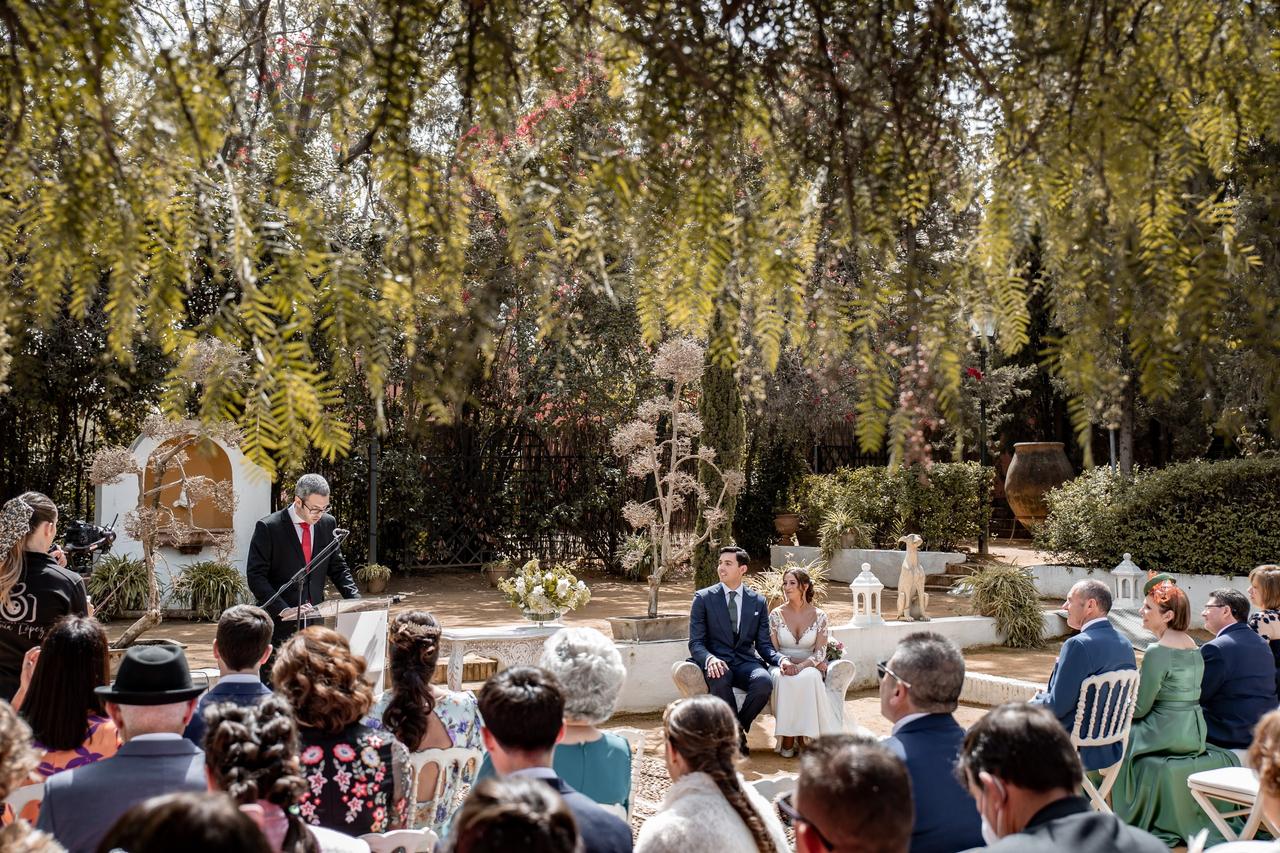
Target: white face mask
pixel 989 833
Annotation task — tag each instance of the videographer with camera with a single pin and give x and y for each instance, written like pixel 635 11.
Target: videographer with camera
pixel 35 590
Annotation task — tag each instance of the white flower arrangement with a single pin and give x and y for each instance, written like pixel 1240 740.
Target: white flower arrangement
pixel 540 590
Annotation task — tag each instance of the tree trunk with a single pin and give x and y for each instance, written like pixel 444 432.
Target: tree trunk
pixel 1124 452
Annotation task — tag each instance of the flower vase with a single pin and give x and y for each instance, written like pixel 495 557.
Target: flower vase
pixel 541 618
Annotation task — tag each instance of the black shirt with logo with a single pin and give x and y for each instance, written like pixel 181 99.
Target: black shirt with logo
pixel 44 593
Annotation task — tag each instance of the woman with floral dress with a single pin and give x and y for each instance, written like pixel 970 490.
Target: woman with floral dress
pixel 358 778
pixel 423 715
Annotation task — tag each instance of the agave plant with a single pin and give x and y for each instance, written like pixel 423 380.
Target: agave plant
pixel 841 529
pixel 1008 595
pixel 118 583
pixel 209 587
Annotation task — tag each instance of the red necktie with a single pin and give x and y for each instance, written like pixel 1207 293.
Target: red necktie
pixel 306 542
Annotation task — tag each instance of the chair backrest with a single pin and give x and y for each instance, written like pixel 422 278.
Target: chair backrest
pixel 771 786
pixel 20 798
pixel 634 737
pixel 1115 694
pixel 450 764
pixel 401 841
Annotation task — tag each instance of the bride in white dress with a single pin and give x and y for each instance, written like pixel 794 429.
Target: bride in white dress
pixel 799 632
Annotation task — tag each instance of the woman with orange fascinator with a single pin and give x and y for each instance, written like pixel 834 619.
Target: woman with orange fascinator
pixel 1167 741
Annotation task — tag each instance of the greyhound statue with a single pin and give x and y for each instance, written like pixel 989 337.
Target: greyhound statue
pixel 912 599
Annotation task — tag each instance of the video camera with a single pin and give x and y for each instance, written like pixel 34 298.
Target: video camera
pixel 83 540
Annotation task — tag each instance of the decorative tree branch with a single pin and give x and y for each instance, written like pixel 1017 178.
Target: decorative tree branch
pixel 673 465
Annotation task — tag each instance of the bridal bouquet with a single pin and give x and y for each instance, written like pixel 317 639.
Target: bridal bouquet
pixel 835 650
pixel 550 590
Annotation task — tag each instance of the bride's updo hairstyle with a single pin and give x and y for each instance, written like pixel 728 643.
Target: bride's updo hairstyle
pixel 704 732
pixel 415 649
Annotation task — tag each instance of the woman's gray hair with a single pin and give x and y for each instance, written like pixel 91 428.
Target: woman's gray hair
pixel 590 672
pixel 312 484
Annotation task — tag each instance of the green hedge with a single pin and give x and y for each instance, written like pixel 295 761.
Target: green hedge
pixel 944 507
pixel 1201 518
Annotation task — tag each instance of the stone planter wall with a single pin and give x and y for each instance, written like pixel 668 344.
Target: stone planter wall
pixel 885 565
pixel 1056 582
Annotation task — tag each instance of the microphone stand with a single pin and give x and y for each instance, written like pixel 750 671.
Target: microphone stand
pixel 300 576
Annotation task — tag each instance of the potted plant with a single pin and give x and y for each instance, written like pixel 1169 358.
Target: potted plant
pixel 769 582
pixel 786 516
pixel 497 570
pixel 544 595
pixel 208 587
pixel 670 462
pixel 841 529
pixel 374 576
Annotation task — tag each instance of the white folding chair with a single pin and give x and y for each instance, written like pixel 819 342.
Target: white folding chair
pixel 1121 689
pixel 635 739
pixel 450 764
pixel 771 787
pixel 1237 786
pixel 20 798
pixel 401 841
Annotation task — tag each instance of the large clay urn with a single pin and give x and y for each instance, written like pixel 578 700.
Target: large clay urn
pixel 1037 467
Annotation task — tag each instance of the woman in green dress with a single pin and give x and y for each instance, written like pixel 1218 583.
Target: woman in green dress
pixel 1167 741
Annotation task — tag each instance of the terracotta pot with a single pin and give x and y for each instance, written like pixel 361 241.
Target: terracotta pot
pixel 786 523
pixel 1037 467
pixel 642 629
pixel 374 586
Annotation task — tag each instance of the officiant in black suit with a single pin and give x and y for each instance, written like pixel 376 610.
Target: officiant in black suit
pixel 282 544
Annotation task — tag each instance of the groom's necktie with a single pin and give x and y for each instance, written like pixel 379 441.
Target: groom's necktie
pixel 733 610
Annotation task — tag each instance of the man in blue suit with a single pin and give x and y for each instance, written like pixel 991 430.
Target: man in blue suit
pixel 1098 648
pixel 729 640
pixel 919 690
pixel 1239 683
pixel 241 645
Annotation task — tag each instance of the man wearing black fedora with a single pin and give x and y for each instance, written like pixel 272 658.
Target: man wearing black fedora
pixel 151 701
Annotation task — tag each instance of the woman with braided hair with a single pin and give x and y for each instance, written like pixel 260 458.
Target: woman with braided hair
pixel 423 715
pixel 251 754
pixel 35 591
pixel 708 809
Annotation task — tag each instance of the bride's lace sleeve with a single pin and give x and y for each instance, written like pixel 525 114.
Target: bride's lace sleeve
pixel 820 640
pixel 775 616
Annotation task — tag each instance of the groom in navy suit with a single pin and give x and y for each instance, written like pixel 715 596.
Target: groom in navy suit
pixel 1098 648
pixel 729 640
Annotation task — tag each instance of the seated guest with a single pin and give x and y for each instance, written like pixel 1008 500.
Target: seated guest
pixel 357 778
pixel 151 701
pixel 1025 775
pixel 1098 648
pixel 708 808
pixel 523 713
pixel 241 646
pixel 589 669
pixel 919 690
pixel 17 760
pixel 1264 592
pixel 508 814
pixel 192 823
pixel 853 796
pixel 58 701
pixel 729 640
pixel 1167 738
pixel 1239 683
pixel 1264 758
pixel 798 630
pixel 251 753
pixel 423 715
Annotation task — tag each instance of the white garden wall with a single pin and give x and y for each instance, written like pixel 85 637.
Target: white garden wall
pixel 648 686
pixel 1056 581
pixel 885 565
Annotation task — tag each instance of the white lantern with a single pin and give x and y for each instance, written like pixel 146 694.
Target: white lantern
pixel 866 589
pixel 1129 582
